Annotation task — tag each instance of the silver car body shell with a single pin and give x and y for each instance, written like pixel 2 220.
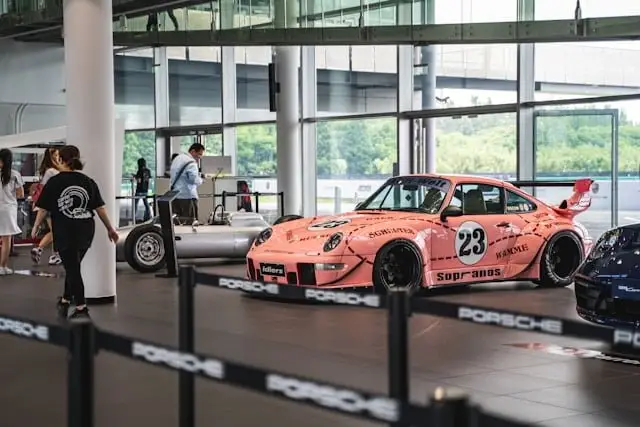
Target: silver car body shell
pixel 231 240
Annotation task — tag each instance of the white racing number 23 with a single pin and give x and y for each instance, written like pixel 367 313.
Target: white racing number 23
pixel 471 243
pixel 327 225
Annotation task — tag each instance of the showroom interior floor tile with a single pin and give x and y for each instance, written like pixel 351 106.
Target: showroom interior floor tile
pixel 336 344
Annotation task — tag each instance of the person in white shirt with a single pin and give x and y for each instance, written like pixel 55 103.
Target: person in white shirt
pixel 12 190
pixel 48 168
pixel 186 178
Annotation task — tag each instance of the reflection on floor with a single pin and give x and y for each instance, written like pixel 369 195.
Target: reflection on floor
pixel 338 344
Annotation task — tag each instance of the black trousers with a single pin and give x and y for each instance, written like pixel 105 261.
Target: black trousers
pixel 145 201
pixel 73 283
pixel 185 209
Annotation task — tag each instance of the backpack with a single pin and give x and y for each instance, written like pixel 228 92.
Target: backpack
pixel 36 191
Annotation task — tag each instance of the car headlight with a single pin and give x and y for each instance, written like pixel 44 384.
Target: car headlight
pixel 332 242
pixel 263 236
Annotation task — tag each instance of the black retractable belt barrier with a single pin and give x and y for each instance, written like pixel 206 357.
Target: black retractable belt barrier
pixel 186 343
pixel 80 386
pixel 34 330
pixel 256 194
pixel 398 345
pixel 319 394
pixel 529 322
pixel 352 298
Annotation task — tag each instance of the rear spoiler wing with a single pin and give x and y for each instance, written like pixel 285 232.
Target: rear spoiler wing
pixel 579 201
pixel 542 183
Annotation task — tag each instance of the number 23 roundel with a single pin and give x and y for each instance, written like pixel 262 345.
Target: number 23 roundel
pixel 471 242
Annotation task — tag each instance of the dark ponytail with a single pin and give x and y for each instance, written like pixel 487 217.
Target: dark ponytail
pixel 6 156
pixel 70 156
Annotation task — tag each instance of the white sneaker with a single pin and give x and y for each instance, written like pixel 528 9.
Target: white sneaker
pixel 55 259
pixel 4 271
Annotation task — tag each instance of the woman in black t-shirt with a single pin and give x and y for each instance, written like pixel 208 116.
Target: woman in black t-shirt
pixel 71 198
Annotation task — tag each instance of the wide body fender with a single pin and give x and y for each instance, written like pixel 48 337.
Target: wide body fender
pixel 366 242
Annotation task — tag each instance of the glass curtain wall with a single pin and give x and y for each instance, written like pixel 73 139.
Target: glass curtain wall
pixel 584 100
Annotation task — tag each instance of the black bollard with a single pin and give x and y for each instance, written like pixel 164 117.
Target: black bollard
pixel 80 376
pixel 450 408
pixel 186 343
pixel 398 345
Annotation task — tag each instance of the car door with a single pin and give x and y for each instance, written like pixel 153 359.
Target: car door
pixel 466 248
pixel 526 231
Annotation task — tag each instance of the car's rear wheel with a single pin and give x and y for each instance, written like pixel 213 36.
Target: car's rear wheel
pixel 398 264
pixel 561 258
pixel 144 249
pixel 287 218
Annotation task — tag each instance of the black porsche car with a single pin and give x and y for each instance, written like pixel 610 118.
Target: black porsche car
pixel 607 284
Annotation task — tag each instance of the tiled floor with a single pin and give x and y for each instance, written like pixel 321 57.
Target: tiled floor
pixel 337 344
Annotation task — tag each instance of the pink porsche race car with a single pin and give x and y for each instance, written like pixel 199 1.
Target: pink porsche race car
pixel 429 231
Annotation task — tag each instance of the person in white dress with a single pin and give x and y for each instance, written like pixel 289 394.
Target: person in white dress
pixel 48 168
pixel 12 190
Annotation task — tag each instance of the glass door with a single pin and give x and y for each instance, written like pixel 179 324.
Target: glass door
pixel 580 143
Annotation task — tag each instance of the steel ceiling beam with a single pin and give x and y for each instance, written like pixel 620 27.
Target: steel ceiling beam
pixel 569 30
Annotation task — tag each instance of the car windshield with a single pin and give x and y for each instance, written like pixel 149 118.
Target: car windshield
pixel 414 194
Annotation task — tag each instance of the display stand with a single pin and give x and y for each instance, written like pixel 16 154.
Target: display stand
pixel 165 214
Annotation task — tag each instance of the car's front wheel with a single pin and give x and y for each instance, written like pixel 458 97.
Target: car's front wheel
pixel 561 258
pixel 398 264
pixel 144 249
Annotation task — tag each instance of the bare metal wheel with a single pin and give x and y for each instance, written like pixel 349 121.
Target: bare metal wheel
pixel 149 249
pixel 398 264
pixel 144 249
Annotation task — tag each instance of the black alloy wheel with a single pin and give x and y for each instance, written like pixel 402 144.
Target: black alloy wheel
pixel 398 264
pixel 560 260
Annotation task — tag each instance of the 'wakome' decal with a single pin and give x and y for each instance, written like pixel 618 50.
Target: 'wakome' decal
pixel 328 225
pixel 471 242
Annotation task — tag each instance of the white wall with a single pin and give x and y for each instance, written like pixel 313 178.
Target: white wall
pixel 31 86
pixel 31 73
pixel 19 118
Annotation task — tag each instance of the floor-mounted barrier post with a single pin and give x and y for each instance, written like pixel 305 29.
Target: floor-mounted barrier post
pixel 186 343
pixel 165 213
pixel 398 345
pixel 80 385
pixel 450 408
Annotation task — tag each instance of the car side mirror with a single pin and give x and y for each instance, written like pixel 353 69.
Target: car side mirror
pixel 450 211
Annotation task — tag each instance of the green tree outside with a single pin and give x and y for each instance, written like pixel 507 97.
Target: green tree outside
pixel 356 149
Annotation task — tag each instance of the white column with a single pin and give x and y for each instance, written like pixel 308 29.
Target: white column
pixel 229 86
pixel 405 91
pixel 429 62
pixel 88 47
pixel 288 148
pixel 161 80
pixel 526 93
pixel 309 143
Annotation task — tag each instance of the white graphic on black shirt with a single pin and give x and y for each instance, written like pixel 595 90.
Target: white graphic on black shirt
pixel 73 203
